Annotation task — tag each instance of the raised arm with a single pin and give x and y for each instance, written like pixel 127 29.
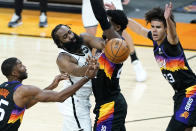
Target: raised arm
pixel 125 2
pixel 92 41
pixel 132 24
pixel 68 64
pixel 171 27
pixel 101 16
pixel 137 28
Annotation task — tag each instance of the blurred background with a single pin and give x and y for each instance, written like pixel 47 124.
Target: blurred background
pixel 184 10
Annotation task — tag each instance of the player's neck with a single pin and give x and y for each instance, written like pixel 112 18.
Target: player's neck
pixel 78 51
pixel 13 79
pixel 161 40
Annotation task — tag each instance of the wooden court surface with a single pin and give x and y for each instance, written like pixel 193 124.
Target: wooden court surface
pixel 149 103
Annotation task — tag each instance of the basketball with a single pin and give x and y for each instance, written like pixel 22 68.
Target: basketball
pixel 116 50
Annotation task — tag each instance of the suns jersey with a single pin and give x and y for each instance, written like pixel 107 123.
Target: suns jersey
pixel 106 83
pixel 173 64
pixel 10 114
pixel 86 90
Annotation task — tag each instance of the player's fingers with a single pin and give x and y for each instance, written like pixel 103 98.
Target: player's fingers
pixel 125 2
pixel 170 5
pixel 166 5
pixel 65 76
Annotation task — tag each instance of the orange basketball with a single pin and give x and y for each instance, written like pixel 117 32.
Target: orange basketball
pixel 117 50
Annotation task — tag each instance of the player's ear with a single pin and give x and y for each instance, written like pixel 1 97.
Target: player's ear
pixel 14 72
pixel 117 27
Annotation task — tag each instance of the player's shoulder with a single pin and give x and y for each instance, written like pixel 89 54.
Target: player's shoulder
pixel 22 89
pixel 65 57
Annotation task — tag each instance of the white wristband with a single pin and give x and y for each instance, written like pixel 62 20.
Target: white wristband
pixel 86 77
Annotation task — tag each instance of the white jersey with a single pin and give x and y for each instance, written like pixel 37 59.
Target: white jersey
pixel 88 17
pixel 86 90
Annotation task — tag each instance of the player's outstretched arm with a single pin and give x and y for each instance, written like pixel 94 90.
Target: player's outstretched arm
pixel 137 28
pixel 101 16
pixel 92 41
pixel 26 93
pixel 132 24
pixel 52 86
pixel 171 27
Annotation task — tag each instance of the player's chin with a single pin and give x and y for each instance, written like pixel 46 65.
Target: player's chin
pixel 155 38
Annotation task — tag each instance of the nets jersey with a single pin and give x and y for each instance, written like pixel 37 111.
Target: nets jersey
pixel 106 84
pixel 10 114
pixel 86 90
pixel 173 64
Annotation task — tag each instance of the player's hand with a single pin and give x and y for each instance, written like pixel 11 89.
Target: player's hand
pixel 61 77
pixel 58 78
pixel 56 81
pixel 93 67
pixel 125 2
pixel 109 6
pixel 168 10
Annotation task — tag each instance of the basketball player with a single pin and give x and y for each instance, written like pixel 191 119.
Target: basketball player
pixel 170 56
pixel 111 106
pixel 71 59
pixel 90 24
pixel 74 50
pixel 16 97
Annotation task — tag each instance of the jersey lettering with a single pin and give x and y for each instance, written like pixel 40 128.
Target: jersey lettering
pixel 103 128
pixel 169 77
pixel 2 111
pixel 188 105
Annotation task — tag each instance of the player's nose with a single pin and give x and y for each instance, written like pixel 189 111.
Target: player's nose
pixel 71 36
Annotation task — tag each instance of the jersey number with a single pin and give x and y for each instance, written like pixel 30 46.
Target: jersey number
pixel 2 111
pixel 169 77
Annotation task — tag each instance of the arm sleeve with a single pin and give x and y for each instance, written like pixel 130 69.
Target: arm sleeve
pixel 100 13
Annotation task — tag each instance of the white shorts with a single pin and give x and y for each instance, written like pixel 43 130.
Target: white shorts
pixel 82 109
pixel 88 17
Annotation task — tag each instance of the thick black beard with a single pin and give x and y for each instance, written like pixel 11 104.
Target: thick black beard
pixel 23 75
pixel 73 47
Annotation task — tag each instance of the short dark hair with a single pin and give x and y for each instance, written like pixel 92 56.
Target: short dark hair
pixel 8 65
pixel 157 14
pixel 118 17
pixel 55 37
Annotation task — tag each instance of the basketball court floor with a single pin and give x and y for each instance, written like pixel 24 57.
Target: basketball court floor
pixel 150 104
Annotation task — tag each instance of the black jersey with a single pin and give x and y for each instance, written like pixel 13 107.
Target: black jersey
pixel 10 114
pixel 173 64
pixel 106 84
